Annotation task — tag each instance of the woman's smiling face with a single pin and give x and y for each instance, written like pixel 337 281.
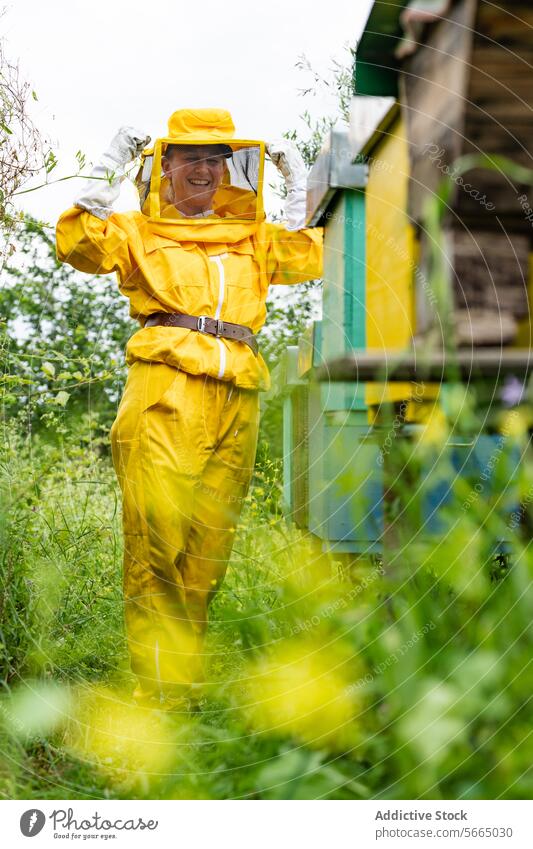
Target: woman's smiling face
pixel 195 173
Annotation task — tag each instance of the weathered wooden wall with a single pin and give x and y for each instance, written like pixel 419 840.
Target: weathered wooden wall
pixel 468 89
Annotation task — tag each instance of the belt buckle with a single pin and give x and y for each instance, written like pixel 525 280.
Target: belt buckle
pixel 200 325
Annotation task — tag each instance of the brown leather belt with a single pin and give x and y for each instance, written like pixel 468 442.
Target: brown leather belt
pixel 205 324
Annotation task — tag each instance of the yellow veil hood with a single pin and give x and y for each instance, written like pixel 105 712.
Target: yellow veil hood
pixel 237 209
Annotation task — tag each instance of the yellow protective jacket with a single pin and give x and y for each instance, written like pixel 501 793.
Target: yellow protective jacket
pixel 217 270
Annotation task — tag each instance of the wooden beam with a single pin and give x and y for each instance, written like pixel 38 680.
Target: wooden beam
pixel 435 366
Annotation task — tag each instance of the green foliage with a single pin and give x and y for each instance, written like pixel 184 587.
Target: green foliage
pixel 59 570
pixel 63 336
pixel 338 85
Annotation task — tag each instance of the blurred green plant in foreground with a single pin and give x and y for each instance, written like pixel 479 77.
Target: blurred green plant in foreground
pixel 411 682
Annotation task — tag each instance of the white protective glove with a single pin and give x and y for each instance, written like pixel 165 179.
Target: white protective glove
pixel 98 196
pixel 288 160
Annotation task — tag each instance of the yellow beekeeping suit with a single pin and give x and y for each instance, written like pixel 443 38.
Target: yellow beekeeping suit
pixel 185 436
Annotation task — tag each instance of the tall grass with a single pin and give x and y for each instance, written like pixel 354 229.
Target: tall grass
pixel 412 683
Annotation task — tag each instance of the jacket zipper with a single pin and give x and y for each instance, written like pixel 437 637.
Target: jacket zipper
pixel 221 292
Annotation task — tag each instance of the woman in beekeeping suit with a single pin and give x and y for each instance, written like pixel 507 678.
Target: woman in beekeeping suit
pixel 195 262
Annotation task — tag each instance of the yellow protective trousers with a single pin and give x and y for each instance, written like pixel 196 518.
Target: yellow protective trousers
pixel 184 449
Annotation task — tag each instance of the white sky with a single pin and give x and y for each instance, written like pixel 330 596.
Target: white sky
pixel 98 65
